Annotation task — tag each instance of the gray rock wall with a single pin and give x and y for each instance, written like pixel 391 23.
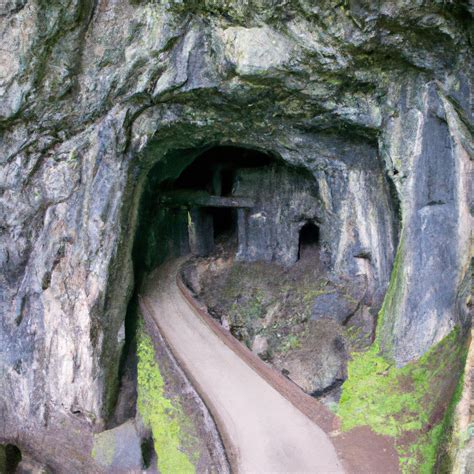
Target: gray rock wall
pixel 429 146
pixel 92 94
pixel 284 200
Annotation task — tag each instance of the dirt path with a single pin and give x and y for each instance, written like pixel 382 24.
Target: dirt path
pixel 263 432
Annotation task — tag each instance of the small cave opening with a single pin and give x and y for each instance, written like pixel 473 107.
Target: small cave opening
pixel 10 458
pixel 308 244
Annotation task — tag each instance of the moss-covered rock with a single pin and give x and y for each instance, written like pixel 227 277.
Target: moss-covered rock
pixel 169 426
pixel 411 404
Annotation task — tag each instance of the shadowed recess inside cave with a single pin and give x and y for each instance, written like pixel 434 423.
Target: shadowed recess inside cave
pixel 249 216
pixel 309 239
pixel 10 458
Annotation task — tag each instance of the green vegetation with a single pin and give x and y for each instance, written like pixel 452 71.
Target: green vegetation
pixel 404 403
pixel 410 403
pixel 251 309
pixel 164 416
pixel 384 327
pixel 291 342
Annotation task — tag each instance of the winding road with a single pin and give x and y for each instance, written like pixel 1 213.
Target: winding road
pixel 262 431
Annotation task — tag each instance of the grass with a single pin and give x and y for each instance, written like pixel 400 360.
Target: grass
pixel 251 309
pixel 164 416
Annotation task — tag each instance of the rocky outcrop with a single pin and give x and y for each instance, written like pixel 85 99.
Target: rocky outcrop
pixel 373 101
pixel 429 147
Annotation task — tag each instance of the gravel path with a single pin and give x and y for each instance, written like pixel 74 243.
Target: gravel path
pixel 262 431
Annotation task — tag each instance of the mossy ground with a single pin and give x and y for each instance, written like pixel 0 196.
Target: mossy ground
pixel 412 404
pixel 170 428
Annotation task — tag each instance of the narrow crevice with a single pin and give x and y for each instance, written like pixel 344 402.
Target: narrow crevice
pixel 335 385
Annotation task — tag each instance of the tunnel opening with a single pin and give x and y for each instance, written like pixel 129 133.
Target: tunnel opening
pixel 224 222
pixel 308 244
pixel 194 199
pixel 182 210
pixel 204 196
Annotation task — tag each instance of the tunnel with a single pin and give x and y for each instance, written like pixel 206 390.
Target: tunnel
pixel 308 240
pixel 239 201
pixel 10 458
pixel 202 196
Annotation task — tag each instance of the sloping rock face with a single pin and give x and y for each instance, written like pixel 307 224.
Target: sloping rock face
pixel 372 100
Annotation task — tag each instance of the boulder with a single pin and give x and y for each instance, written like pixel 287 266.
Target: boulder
pixel 119 449
pixel 320 363
pixel 260 345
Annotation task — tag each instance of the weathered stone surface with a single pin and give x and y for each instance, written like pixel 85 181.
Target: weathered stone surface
pixel 260 345
pixel 332 305
pixel 433 252
pixel 284 200
pixel 360 95
pixel 341 300
pixel 30 466
pixel 320 364
pixel 119 449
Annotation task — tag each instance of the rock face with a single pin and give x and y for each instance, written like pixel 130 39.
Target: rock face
pixel 285 201
pixel 373 101
pixel 318 365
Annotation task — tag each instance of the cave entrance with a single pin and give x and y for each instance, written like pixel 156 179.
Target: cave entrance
pixel 308 245
pixel 197 197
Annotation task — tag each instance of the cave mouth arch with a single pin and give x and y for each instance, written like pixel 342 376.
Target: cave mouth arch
pixel 308 242
pixel 12 457
pixel 162 229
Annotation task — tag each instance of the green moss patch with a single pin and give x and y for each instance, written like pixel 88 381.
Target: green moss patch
pixel 165 417
pixel 409 404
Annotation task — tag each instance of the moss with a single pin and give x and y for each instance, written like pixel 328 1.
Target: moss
pixel 352 334
pixel 431 448
pixel 384 326
pixel 162 415
pixel 404 402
